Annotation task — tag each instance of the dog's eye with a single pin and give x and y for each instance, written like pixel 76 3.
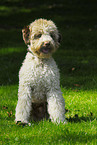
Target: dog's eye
pixel 36 36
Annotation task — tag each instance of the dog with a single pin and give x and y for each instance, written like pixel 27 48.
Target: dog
pixel 39 93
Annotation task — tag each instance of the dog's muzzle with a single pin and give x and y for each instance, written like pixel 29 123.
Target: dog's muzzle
pixel 46 48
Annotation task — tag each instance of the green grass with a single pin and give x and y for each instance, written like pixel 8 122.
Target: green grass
pixel 80 129
pixel 77 61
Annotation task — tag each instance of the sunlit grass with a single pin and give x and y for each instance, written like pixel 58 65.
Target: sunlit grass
pixel 7 10
pixel 80 104
pixel 10 50
pixel 80 113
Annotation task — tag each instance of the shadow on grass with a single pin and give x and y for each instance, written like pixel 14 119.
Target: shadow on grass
pixel 9 68
pixel 80 78
pixel 72 12
pixel 66 14
pixel 76 119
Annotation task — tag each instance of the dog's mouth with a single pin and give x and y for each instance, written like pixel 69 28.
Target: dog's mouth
pixel 46 50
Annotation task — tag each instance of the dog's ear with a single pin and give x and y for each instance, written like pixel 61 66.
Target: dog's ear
pixel 26 34
pixel 59 38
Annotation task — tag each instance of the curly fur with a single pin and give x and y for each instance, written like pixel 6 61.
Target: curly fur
pixel 39 94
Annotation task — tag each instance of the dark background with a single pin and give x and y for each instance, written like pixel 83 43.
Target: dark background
pixel 76 21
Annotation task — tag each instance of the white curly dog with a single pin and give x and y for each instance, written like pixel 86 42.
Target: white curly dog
pixel 39 94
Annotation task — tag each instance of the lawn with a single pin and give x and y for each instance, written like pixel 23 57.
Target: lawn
pixel 76 59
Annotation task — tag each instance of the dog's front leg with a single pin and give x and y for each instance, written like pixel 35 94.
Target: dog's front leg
pixel 23 107
pixel 56 106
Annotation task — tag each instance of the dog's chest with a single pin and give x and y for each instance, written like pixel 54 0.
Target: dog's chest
pixel 42 78
pixel 42 75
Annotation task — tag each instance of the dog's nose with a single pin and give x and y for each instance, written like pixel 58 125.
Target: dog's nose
pixel 46 44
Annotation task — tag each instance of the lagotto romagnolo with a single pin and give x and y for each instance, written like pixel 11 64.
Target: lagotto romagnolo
pixel 39 93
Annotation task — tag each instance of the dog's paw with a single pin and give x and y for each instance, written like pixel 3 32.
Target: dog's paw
pixel 22 123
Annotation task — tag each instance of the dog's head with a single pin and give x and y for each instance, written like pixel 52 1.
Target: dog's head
pixel 42 37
